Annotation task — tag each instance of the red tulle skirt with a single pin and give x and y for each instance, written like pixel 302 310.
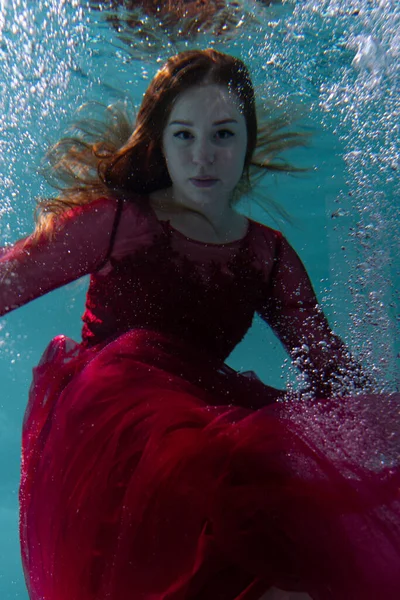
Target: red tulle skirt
pixel 149 473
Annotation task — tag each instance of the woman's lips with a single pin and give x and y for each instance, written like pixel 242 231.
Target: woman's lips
pixel 203 183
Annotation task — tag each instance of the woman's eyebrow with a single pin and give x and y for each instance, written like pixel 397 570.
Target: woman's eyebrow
pixel 190 124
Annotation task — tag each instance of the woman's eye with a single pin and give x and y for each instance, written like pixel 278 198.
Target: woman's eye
pixel 183 135
pixel 224 134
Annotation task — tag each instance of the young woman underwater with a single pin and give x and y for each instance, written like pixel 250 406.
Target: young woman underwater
pixel 150 469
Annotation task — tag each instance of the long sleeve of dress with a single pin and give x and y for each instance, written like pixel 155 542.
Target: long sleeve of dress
pixel 78 246
pixel 292 310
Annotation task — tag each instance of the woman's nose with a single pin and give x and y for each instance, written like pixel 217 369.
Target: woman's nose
pixel 203 153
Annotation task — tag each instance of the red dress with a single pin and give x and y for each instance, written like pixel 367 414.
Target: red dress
pixel 153 471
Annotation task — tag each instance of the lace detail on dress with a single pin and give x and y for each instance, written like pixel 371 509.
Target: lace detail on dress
pixel 209 261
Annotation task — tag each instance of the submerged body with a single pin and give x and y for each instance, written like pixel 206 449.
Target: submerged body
pixel 175 476
pixel 150 468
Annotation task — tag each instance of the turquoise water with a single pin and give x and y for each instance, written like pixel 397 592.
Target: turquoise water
pixel 338 60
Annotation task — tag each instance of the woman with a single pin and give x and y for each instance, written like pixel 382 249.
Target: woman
pixel 150 469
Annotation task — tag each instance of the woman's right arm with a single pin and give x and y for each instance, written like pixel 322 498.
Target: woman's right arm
pixel 79 246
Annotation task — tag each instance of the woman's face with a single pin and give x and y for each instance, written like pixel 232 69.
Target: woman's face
pixel 204 144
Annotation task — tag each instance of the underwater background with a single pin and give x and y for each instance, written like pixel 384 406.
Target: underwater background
pixel 335 62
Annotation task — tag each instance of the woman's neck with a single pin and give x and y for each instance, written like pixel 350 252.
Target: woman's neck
pixel 209 226
pixel 217 217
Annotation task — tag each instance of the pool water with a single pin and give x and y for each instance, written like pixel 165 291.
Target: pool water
pixel 337 60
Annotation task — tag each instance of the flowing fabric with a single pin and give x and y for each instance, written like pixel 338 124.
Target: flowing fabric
pixel 151 470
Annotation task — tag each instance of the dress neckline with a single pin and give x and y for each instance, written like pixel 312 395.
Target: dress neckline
pixel 167 223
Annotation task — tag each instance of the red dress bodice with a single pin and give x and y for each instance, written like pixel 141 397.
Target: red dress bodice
pixel 146 274
pixel 207 294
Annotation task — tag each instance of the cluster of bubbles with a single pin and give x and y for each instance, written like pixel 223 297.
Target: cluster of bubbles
pixel 38 42
pixel 337 58
pixel 362 103
pixel 340 58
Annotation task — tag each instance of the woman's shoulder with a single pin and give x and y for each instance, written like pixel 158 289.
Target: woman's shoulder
pixel 265 234
pixel 111 208
pixel 111 203
pixel 268 245
pixel 97 205
pixel 134 226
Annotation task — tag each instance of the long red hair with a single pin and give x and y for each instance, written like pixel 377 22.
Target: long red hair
pixel 120 157
pixel 139 166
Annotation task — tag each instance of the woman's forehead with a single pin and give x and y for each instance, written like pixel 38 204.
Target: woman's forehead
pixel 206 100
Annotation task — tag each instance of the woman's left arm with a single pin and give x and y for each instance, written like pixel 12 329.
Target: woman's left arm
pixel 292 310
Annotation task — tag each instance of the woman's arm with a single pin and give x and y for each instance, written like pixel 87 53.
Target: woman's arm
pixel 291 309
pixel 79 246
